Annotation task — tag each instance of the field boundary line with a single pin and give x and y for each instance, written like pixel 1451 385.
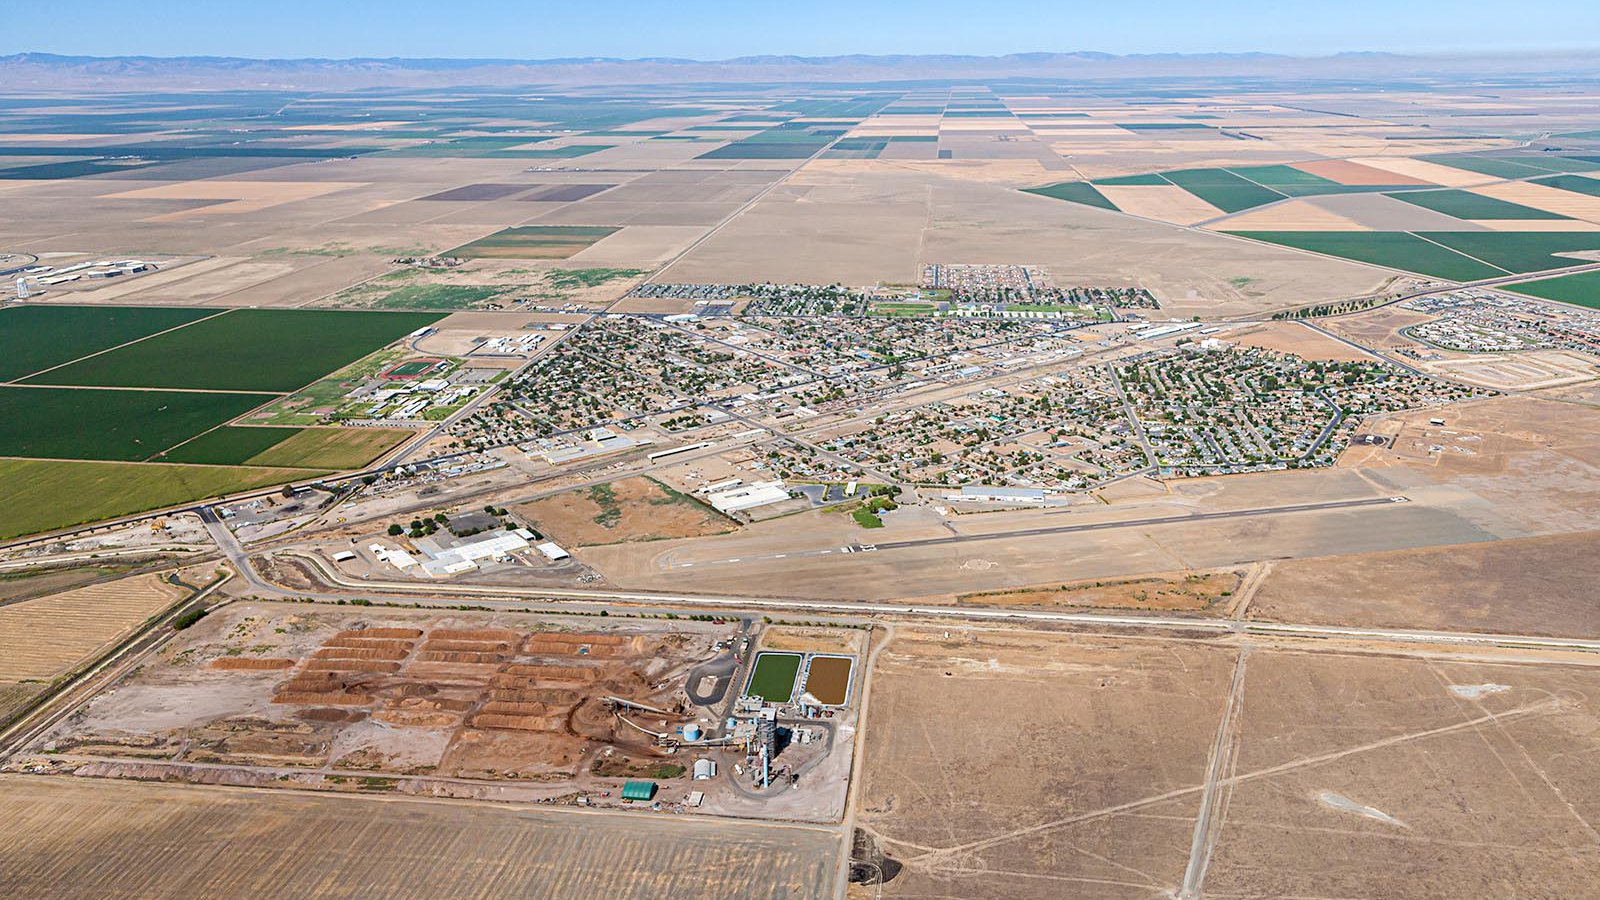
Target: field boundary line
pixel 221 312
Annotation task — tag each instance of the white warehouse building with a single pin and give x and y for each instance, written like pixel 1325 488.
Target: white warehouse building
pixel 748 496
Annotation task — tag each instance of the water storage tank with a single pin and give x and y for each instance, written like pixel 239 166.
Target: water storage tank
pixel 704 768
pixel 691 732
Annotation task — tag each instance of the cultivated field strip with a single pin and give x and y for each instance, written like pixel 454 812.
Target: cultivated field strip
pixel 83 840
pixel 44 637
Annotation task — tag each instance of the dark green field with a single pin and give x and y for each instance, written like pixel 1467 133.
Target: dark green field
pixel 1578 184
pixel 1582 289
pixel 246 350
pixel 1076 192
pixel 230 445
pixel 1222 189
pixel 72 423
pixel 1528 251
pixel 1150 180
pixel 1467 205
pixel 38 337
pixel 534 242
pixel 1393 249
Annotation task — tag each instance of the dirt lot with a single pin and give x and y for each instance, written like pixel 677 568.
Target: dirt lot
pixel 1293 337
pixel 75 840
pixel 1029 765
pixel 1530 586
pixel 333 700
pixel 632 509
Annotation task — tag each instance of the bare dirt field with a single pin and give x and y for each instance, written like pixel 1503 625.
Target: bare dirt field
pixel 633 509
pixel 1379 328
pixel 1293 337
pixel 43 637
pixel 1526 586
pixel 1532 370
pixel 79 840
pixel 1183 591
pixel 1030 765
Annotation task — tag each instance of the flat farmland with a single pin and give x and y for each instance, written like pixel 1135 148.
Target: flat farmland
pixel 42 494
pixel 535 242
pixel 38 337
pixel 128 425
pixel 1582 289
pixel 305 448
pixel 46 636
pixel 1394 250
pixel 1469 205
pixel 276 350
pixel 1011 764
pixel 229 445
pixel 91 840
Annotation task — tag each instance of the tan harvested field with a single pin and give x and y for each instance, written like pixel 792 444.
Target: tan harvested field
pixel 1424 171
pixel 89 840
pixel 1292 215
pixel 22 584
pixel 15 696
pixel 1033 765
pixel 44 637
pixel 1346 172
pixel 1549 199
pixel 1296 338
pixel 633 509
pixel 1526 586
pixel 1185 591
pixel 1164 203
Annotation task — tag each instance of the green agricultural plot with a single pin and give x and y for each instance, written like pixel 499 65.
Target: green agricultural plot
pixel 1222 189
pixel 1498 167
pixel 1467 205
pixel 772 679
pixel 439 296
pixel 1392 249
pixel 38 337
pixel 1527 251
pixel 1151 180
pixel 1582 289
pixel 1295 183
pixel 1575 183
pixel 245 350
pixel 72 423
pixel 331 448
pixel 230 445
pixel 535 242
pixel 43 494
pixel 1076 192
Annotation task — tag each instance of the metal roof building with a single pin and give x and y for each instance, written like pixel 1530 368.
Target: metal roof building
pixel 639 790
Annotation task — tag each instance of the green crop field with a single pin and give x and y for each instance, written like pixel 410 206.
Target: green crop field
pixel 245 350
pixel 1393 249
pixel 44 494
pixel 1222 189
pixel 71 423
pixel 230 445
pixel 330 448
pixel 1582 289
pixel 1150 180
pixel 1575 183
pixel 772 679
pixel 38 337
pixel 1487 165
pixel 1527 251
pixel 1076 192
pixel 534 242
pixel 1295 183
pixel 1467 205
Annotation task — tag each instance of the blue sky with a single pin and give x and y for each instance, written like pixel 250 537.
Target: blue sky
pixel 718 30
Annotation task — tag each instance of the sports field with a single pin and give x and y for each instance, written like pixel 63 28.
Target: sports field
pixel 43 494
pixel 37 337
pixel 245 350
pixel 534 242
pixel 127 425
pixel 1582 289
pixel 772 678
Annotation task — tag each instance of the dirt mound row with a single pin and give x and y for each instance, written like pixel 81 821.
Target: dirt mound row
pixel 360 653
pixel 412 633
pixel 322 698
pixel 351 665
pixel 552 673
pixel 474 634
pixel 518 723
pixel 458 656
pixel 374 643
pixel 468 646
pixel 256 664
pixel 326 714
pixel 516 708
pixel 554 696
pixel 416 718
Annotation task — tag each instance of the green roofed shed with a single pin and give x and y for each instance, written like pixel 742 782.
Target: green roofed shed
pixel 639 790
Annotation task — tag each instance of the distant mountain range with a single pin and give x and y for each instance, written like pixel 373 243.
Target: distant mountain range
pixel 45 71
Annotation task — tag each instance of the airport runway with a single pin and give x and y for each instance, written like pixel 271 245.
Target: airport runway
pixel 1057 529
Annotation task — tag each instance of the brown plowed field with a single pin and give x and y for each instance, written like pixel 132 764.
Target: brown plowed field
pixel 1346 172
